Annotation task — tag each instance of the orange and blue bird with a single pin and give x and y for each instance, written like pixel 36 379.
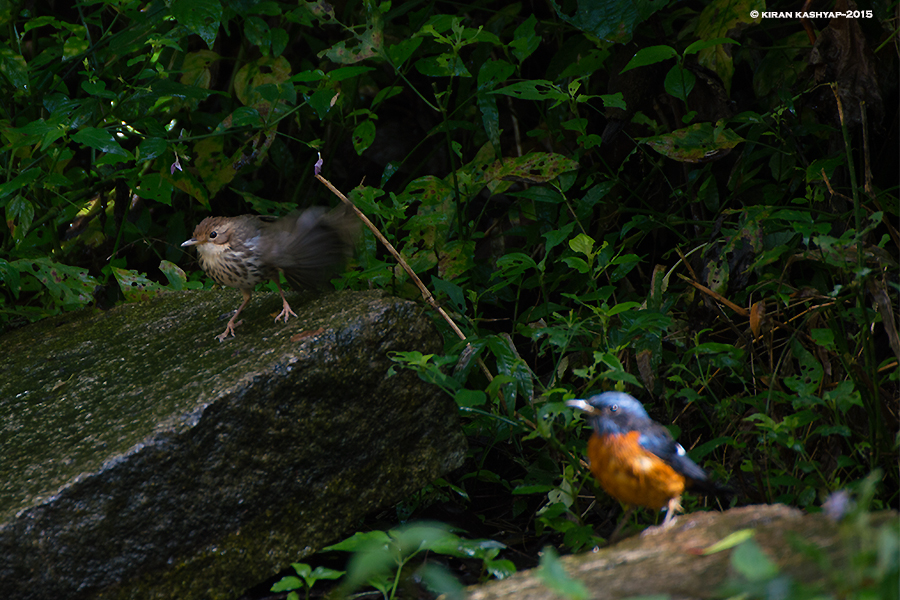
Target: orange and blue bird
pixel 635 459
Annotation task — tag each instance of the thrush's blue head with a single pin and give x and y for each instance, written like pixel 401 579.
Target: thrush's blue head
pixel 614 413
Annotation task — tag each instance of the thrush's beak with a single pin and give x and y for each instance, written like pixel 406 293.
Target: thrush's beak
pixel 582 406
pixel 190 242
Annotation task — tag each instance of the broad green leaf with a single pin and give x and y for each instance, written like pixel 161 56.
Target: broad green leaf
pixel 19 215
pixel 551 573
pixel 730 541
pixel 679 82
pixel 342 73
pixel 650 56
pixel 151 148
pixel 698 143
pixel 400 52
pixel 19 181
pixel 199 16
pixel 176 276
pixel 525 40
pixel 14 68
pixel 135 286
pixel 363 136
pixel 717 19
pixel 610 20
pixel 99 139
pixel 749 560
pixel 69 286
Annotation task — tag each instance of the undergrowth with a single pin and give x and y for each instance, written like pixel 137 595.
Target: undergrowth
pixel 695 209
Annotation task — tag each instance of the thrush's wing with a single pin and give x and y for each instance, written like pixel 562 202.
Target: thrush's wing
pixel 659 441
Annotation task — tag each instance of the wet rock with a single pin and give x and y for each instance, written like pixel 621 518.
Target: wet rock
pixel 143 458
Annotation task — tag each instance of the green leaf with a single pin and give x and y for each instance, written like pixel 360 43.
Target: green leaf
pixel 551 573
pixel 358 540
pixel 199 16
pixel 730 541
pixel 151 148
pixel 287 584
pixel 534 89
pixel 69 286
pixel 443 65
pixel 704 44
pixel 698 143
pixel 439 580
pixel 363 136
pixel 278 38
pixel 14 68
pixel 176 276
pixel 10 276
pixel 135 286
pixel 19 215
pixel 401 51
pixel 680 82
pixel 525 41
pixel 19 181
pixel 98 88
pixel 650 56
pixel 99 139
pixel 470 398
pixel 610 20
pixel 749 560
pixel 343 73
pixel 257 33
pixel 583 244
pixel 154 186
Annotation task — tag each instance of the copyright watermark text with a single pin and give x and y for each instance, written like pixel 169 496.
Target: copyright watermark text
pixel 850 14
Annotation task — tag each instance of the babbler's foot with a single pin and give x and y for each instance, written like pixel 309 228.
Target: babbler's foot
pixel 286 312
pixel 229 329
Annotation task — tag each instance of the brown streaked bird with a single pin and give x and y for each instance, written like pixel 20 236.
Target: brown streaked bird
pixel 309 247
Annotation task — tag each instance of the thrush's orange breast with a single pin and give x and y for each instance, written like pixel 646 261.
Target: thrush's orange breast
pixel 631 474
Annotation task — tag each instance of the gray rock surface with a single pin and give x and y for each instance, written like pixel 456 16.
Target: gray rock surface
pixel 689 560
pixel 143 458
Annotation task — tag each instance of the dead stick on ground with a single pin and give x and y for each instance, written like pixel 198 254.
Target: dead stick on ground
pixel 429 298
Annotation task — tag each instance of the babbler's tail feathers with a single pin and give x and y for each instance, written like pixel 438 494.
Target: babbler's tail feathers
pixel 312 246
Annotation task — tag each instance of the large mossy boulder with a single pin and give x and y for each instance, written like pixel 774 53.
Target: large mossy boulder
pixel 142 458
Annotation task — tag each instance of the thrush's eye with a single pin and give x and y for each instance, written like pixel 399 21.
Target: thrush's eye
pixel 614 408
pixel 213 235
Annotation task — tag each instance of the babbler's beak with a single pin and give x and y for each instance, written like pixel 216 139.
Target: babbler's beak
pixel 582 406
pixel 190 242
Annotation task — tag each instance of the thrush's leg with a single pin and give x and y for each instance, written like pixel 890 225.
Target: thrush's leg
pixel 231 324
pixel 614 536
pixel 673 507
pixel 286 310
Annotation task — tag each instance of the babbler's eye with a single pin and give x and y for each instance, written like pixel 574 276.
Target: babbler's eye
pixel 213 235
pixel 614 408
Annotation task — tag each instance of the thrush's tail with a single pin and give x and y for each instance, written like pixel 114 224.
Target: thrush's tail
pixel 709 487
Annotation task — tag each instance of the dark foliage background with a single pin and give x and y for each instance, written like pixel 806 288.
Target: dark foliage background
pixel 673 198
